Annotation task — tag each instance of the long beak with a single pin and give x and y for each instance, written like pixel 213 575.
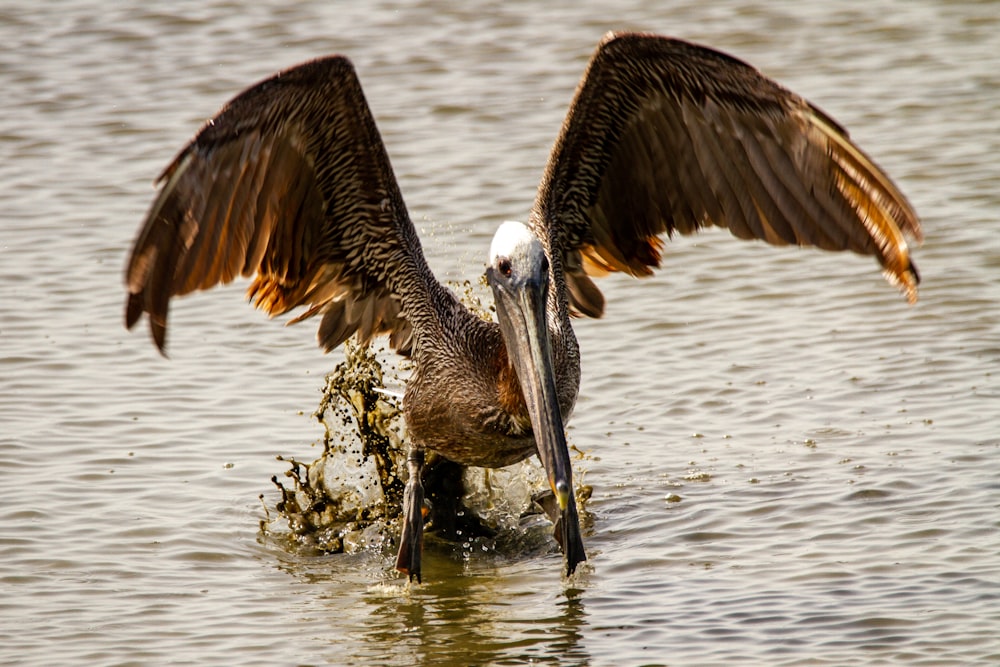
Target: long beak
pixel 522 317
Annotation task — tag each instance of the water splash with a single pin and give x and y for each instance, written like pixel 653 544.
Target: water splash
pixel 350 498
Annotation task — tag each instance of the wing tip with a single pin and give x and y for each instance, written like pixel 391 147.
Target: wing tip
pixel 910 281
pixel 134 308
pixel 907 280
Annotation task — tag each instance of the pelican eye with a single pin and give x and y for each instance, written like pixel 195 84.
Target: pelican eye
pixel 504 267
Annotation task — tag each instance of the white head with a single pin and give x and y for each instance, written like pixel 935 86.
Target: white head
pixel 515 248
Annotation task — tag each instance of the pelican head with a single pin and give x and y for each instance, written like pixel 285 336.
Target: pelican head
pixel 518 273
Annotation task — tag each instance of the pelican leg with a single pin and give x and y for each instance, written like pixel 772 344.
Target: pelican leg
pixel 411 542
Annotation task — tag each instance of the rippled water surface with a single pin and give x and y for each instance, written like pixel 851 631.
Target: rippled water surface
pixel 790 465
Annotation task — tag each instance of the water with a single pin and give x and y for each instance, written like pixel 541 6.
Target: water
pixel 790 465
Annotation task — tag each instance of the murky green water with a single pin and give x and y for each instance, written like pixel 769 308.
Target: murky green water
pixel 789 464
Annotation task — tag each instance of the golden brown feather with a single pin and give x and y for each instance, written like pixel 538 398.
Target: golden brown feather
pixel 288 184
pixel 664 136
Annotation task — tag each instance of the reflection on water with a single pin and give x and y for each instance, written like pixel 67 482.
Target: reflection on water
pixel 454 618
pixel 789 465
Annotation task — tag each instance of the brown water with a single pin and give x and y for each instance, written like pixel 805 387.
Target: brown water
pixel 836 453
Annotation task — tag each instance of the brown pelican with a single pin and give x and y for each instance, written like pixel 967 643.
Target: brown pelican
pixel 290 184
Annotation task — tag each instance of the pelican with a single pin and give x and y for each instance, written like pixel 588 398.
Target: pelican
pixel 290 184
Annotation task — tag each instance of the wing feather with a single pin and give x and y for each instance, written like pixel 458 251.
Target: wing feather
pixel 288 184
pixel 665 136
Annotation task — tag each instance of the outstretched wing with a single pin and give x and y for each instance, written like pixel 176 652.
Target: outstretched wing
pixel 290 184
pixel 664 136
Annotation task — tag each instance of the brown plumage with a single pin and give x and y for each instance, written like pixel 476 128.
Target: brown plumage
pixel 664 136
pixel 290 185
